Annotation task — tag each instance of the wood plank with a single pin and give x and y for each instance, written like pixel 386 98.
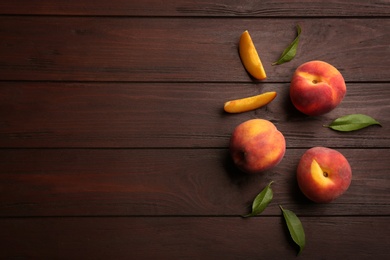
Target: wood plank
pixel 192 238
pixel 228 8
pixel 202 182
pixel 41 114
pixel 164 49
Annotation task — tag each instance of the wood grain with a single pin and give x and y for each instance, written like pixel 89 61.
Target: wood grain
pixel 191 238
pixel 129 115
pixel 226 8
pixel 160 49
pixel 114 144
pixel 184 182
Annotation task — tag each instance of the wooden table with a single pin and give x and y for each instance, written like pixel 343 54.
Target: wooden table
pixel 114 143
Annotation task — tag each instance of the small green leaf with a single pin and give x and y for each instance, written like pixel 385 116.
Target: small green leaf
pixel 261 201
pixel 295 227
pixel 289 53
pixel 352 122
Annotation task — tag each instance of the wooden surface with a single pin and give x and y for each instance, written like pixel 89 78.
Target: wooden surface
pixel 114 143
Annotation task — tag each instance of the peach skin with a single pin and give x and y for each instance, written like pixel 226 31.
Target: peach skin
pixel 317 88
pixel 256 145
pixel 323 174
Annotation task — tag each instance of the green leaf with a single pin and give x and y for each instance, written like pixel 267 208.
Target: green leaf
pixel 295 227
pixel 261 201
pixel 289 53
pixel 352 122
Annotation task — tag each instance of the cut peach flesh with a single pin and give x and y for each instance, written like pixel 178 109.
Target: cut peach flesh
pixel 250 57
pixel 249 103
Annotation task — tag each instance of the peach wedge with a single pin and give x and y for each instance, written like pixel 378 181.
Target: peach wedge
pixel 249 57
pixel 249 103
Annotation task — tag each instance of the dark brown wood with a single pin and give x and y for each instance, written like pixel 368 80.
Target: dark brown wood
pixel 191 238
pixel 184 50
pixel 114 145
pixel 228 8
pixel 184 182
pixel 124 115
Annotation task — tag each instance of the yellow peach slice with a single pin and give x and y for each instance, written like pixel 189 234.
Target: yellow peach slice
pixel 249 57
pixel 249 103
pixel 320 175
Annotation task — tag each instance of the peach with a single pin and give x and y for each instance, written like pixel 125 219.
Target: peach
pixel 256 145
pixel 249 57
pixel 317 88
pixel 323 174
pixel 249 103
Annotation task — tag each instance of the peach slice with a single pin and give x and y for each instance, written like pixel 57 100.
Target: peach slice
pixel 249 103
pixel 249 57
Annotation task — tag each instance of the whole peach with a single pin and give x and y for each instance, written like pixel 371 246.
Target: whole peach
pixel 317 88
pixel 256 145
pixel 323 174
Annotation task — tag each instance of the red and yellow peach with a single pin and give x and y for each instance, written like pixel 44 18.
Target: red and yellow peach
pixel 323 174
pixel 317 88
pixel 256 145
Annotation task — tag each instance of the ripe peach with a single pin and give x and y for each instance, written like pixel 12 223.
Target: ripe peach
pixel 256 145
pixel 317 88
pixel 323 174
